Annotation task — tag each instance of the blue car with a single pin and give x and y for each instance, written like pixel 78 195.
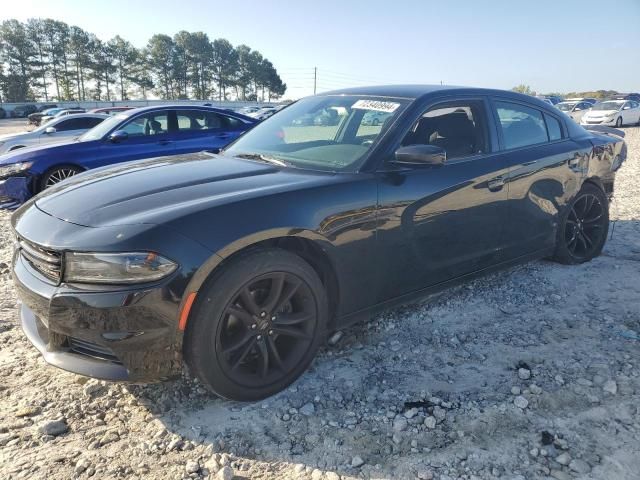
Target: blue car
pixel 135 134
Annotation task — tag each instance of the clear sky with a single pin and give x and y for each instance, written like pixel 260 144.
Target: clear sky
pixel 559 45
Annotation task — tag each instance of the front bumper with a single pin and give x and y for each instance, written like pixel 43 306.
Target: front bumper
pixel 126 335
pixel 598 121
pixel 14 191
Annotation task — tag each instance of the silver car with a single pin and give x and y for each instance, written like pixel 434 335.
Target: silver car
pixel 62 129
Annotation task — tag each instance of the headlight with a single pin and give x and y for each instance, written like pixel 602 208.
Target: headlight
pixel 137 267
pixel 6 170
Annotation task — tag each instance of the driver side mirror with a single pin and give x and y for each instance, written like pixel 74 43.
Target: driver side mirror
pixel 50 130
pixel 627 107
pixel 118 136
pixel 421 155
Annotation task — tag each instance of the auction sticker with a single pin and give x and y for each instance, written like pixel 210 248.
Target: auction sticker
pixel 376 105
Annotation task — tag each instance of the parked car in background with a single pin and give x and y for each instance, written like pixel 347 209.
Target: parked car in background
pixel 627 96
pixel 22 111
pixel 248 110
pixel 589 100
pixel 61 129
pixel 60 113
pixel 3 113
pixel 36 117
pixel 110 110
pixel 574 109
pixel 46 106
pixel 140 133
pixel 266 112
pixel 545 100
pixel 553 99
pixel 241 264
pixel 263 113
pixel 613 113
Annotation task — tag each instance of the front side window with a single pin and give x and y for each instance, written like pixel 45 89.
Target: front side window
pixel 457 127
pixel 332 133
pixel 198 120
pixel 521 126
pixel 154 123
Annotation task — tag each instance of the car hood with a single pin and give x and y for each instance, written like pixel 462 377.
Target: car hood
pixel 11 136
pixel 158 190
pixel 601 113
pixel 32 154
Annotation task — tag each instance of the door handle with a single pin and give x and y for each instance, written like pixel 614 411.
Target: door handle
pixel 165 142
pixel 495 184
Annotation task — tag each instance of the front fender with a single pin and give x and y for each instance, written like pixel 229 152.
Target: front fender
pixel 207 268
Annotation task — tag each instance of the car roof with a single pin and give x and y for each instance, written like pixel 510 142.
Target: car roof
pixel 153 108
pixel 81 115
pixel 414 92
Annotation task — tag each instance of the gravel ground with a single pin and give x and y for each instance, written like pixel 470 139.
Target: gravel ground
pixel 532 373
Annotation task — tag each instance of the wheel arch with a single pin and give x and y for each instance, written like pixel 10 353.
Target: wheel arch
pixel 597 182
pixel 54 167
pixel 310 246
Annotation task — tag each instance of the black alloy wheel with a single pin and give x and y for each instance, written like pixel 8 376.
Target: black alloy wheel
pixel 584 229
pixel 256 324
pixel 266 329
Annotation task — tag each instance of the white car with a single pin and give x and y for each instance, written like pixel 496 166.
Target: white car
pixel 613 113
pixel 58 130
pixel 574 109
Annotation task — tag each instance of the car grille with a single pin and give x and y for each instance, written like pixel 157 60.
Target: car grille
pixel 47 262
pixel 83 347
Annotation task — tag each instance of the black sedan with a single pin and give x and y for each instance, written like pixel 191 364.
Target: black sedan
pixel 241 263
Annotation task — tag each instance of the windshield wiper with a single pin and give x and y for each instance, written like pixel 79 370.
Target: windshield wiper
pixel 261 158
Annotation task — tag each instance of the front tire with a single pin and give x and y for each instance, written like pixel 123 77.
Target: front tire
pixel 257 325
pixel 58 174
pixel 618 122
pixel 584 226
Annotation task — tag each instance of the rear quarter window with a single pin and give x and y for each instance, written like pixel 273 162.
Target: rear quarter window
pixel 521 126
pixel 553 127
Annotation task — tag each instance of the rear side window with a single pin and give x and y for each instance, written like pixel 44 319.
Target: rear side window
pixel 78 124
pixel 553 127
pixel 521 126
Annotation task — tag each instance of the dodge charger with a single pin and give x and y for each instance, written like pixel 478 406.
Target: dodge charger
pixel 239 264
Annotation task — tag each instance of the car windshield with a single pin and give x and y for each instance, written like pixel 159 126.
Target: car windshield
pixel 332 133
pixel 608 105
pixel 566 106
pixel 100 130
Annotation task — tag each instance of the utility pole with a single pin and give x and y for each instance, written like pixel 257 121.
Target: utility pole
pixel 315 78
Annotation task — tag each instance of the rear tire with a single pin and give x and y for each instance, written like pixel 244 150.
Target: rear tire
pixel 257 325
pixel 583 227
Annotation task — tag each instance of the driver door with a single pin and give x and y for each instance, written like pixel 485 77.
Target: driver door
pixel 438 223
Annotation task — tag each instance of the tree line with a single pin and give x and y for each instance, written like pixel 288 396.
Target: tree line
pixel 597 94
pixel 48 60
